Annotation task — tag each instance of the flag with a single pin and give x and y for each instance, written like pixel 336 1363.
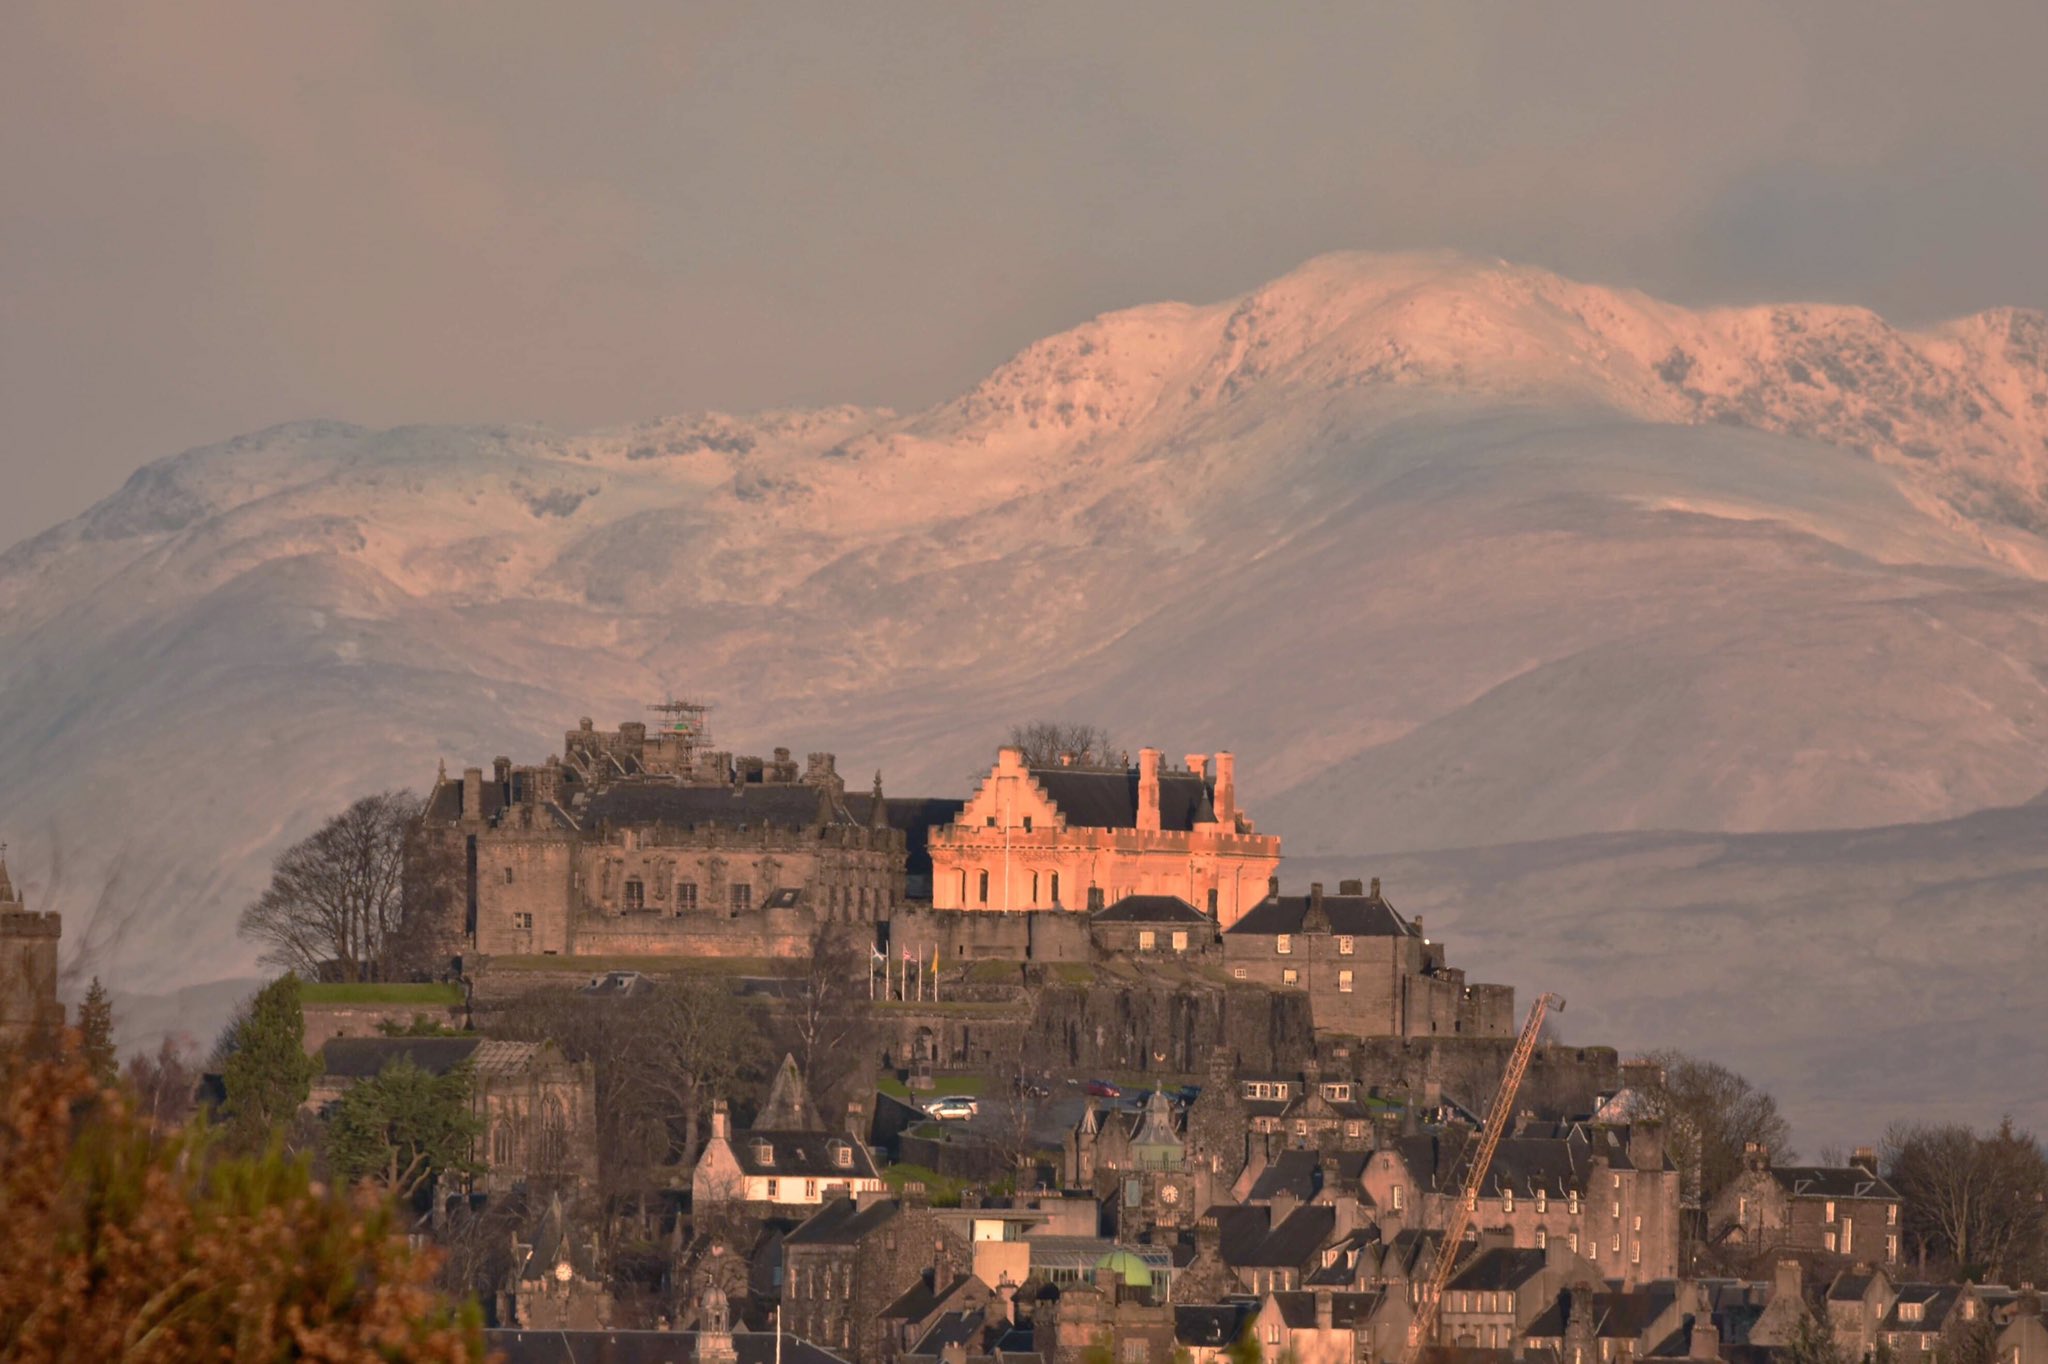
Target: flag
pixel 880 955
pixel 907 956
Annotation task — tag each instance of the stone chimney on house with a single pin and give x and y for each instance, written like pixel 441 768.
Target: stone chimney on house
pixel 472 795
pixel 1864 1158
pixel 1272 887
pixel 1646 1144
pixel 1375 887
pixel 856 1120
pixel 1706 1338
pixel 1756 1157
pixel 1786 1281
pixel 1351 887
pixel 1198 763
pixel 1317 919
pixel 1148 790
pixel 721 1121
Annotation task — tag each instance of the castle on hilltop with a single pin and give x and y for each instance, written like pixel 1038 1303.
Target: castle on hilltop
pixel 28 968
pixel 639 841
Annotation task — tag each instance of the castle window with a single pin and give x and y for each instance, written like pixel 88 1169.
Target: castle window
pixel 501 1144
pixel 1284 944
pixel 742 897
pixel 1055 887
pixel 1034 888
pixel 508 876
pixel 686 895
pixel 1237 972
pixel 523 921
pixel 991 821
pixel 1147 940
pixel 1344 946
pixel 1542 1239
pixel 984 885
pixel 1027 824
pixel 963 885
pixel 1290 976
pixel 1543 1200
pixel 636 895
pixel 1344 982
pixel 1094 898
pixel 1507 1200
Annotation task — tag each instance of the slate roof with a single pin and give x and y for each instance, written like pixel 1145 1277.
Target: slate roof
pixel 1213 1325
pixel 1348 1311
pixel 643 1347
pixel 637 803
pixel 1827 1181
pixel 1351 916
pixel 360 1058
pixel 1107 798
pixel 1499 1269
pixel 1301 1173
pixel 1293 1243
pixel 803 1155
pixel 921 1299
pixel 1150 909
pixel 840 1223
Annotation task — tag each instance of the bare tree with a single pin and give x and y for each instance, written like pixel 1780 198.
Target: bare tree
pixel 661 1059
pixel 826 1019
pixel 166 1085
pixel 1047 743
pixel 1977 1204
pixel 1016 1112
pixel 335 899
pixel 1711 1115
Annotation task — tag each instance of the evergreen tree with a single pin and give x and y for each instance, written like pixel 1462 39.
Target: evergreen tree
pixel 269 1074
pixel 96 1032
pixel 405 1126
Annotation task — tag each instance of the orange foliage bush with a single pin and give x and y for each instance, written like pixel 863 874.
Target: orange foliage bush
pixel 123 1244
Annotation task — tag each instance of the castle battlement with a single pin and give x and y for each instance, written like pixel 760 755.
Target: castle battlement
pixel 26 923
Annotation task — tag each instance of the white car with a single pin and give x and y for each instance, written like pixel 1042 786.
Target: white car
pixel 953 1106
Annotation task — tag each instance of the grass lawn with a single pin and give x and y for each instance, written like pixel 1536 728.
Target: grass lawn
pixel 972 1086
pixel 380 992
pixel 944 1192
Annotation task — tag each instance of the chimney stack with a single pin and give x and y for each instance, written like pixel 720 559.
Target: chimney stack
pixel 472 794
pixel 1272 886
pixel 1148 789
pixel 1375 887
pixel 1865 1159
pixel 1226 788
pixel 1326 1315
pixel 1198 763
pixel 1351 887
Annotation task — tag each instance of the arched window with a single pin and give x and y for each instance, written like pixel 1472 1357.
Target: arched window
pixel 554 1136
pixel 501 1144
pixel 1034 888
pixel 1055 888
pixel 984 885
pixel 963 885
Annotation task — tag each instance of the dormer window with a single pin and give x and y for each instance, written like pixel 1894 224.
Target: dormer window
pixel 842 1155
pixel 1337 1093
pixel 764 1154
pixel 1911 1311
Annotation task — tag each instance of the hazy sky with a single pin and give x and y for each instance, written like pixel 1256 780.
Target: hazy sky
pixel 212 219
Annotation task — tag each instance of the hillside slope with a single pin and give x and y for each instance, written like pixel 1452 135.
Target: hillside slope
pixel 1452 553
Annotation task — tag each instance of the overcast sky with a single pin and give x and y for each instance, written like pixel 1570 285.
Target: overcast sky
pixel 213 219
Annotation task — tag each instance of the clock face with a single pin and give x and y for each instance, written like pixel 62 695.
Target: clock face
pixel 1170 1193
pixel 562 1271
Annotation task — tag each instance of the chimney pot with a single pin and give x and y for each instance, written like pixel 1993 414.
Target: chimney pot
pixel 1198 763
pixel 1375 887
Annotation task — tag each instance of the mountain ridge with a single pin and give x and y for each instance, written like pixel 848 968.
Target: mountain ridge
pixel 1453 554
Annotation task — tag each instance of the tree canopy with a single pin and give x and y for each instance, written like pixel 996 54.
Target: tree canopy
pixel 267 1074
pixel 127 1244
pixel 1712 1114
pixel 405 1126
pixel 335 900
pixel 1047 742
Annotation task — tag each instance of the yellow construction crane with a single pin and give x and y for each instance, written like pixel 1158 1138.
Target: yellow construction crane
pixel 1422 1330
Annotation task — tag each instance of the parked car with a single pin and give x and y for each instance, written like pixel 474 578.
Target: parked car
pixel 953 1106
pixel 1103 1089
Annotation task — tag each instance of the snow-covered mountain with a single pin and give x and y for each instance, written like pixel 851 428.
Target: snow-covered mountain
pixel 1452 553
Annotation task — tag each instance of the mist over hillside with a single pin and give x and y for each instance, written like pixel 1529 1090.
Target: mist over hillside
pixel 1453 554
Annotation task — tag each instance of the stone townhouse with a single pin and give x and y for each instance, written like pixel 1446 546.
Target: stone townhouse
pixel 1494 1297
pixel 1368 972
pixel 1152 926
pixel 1321 1326
pixel 845 1265
pixel 1667 1319
pixel 537 1108
pixel 1606 1193
pixel 1304 1112
pixel 788 1162
pixel 1081 838
pixel 1116 1310
pixel 1831 1210
pixel 648 844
